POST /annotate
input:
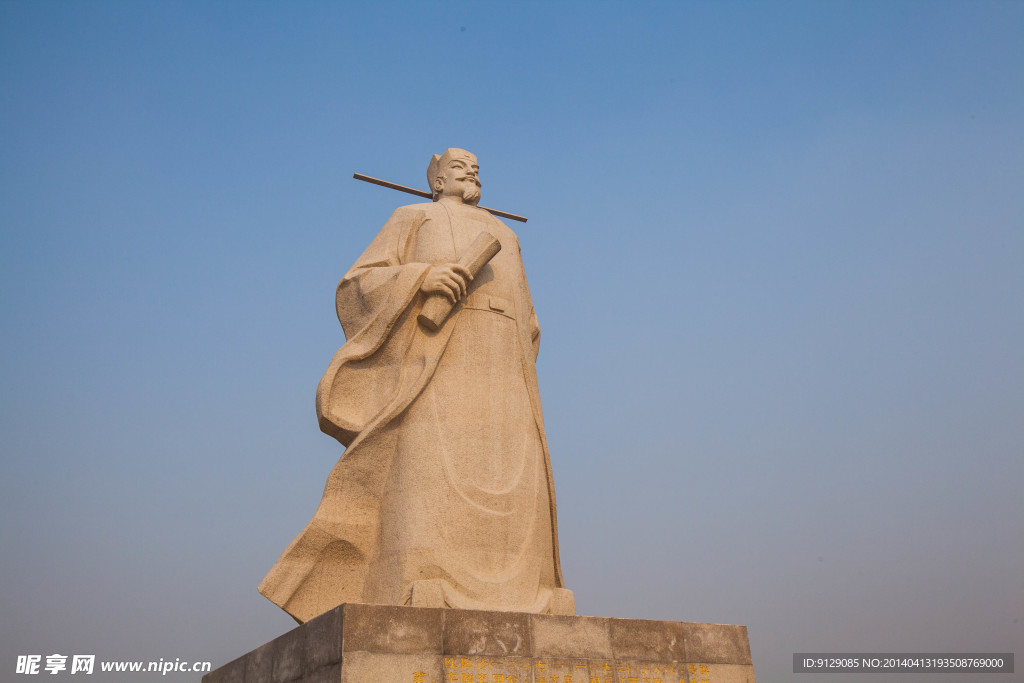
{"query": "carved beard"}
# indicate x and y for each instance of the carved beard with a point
(471, 193)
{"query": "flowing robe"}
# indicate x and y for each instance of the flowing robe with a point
(445, 488)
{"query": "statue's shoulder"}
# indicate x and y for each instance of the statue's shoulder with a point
(425, 209)
(503, 228)
(410, 217)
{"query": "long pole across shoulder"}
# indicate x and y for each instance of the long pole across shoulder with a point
(427, 195)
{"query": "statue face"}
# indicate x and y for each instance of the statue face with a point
(461, 178)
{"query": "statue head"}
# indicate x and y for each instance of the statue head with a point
(455, 174)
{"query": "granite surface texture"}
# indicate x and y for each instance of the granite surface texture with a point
(392, 644)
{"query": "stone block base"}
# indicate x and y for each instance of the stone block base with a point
(385, 644)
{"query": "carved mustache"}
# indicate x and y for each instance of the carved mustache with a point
(473, 178)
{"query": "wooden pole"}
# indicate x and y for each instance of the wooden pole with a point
(427, 195)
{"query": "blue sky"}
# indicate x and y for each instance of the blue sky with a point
(776, 251)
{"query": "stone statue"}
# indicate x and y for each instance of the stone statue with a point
(444, 495)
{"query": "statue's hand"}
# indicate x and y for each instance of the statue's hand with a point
(449, 279)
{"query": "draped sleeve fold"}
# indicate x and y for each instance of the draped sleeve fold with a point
(373, 299)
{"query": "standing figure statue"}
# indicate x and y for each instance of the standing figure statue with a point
(444, 495)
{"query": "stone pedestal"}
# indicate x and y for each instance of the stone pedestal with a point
(384, 644)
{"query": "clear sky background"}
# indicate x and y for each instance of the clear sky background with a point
(776, 249)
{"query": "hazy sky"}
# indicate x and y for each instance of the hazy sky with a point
(776, 249)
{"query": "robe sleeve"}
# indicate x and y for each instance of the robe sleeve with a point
(373, 298)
